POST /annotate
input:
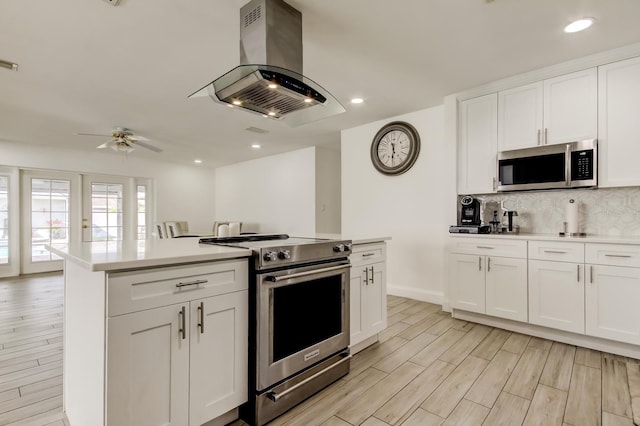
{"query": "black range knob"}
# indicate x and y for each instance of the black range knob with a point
(270, 256)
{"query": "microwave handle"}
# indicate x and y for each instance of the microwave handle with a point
(567, 165)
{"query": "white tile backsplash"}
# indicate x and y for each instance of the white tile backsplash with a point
(602, 211)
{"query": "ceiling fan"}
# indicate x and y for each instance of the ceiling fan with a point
(124, 140)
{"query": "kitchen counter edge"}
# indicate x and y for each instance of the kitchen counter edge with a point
(606, 239)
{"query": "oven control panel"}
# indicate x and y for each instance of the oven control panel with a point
(269, 257)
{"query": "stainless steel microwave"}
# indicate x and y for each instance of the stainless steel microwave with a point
(567, 165)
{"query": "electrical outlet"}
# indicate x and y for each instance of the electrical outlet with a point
(112, 2)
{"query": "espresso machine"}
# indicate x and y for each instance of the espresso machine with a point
(469, 221)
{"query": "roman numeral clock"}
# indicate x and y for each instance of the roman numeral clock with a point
(395, 148)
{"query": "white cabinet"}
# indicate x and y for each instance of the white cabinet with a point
(557, 110)
(368, 292)
(612, 292)
(477, 144)
(489, 277)
(556, 285)
(180, 364)
(618, 123)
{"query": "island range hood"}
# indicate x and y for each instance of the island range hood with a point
(269, 79)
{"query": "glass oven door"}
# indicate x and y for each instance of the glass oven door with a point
(303, 318)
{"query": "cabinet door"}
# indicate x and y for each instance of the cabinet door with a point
(611, 299)
(219, 347)
(375, 302)
(148, 368)
(467, 282)
(556, 295)
(478, 145)
(571, 107)
(356, 320)
(520, 117)
(618, 123)
(506, 288)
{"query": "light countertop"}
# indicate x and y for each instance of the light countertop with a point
(116, 255)
(355, 239)
(605, 239)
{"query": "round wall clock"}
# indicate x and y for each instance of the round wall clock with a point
(395, 148)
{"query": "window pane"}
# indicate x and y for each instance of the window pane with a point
(4, 219)
(106, 207)
(49, 215)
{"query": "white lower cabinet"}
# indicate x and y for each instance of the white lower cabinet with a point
(556, 295)
(181, 364)
(489, 284)
(368, 292)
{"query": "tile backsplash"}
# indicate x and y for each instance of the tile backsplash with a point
(602, 211)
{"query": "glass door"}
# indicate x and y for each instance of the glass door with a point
(107, 208)
(50, 205)
(9, 258)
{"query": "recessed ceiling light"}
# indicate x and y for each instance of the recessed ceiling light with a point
(197, 161)
(237, 103)
(357, 100)
(579, 25)
(255, 146)
(308, 100)
(272, 86)
(272, 114)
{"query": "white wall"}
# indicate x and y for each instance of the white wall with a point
(181, 192)
(328, 193)
(413, 208)
(270, 194)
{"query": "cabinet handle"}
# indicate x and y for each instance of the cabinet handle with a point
(183, 323)
(485, 247)
(590, 274)
(479, 263)
(495, 185)
(555, 251)
(366, 276)
(539, 142)
(367, 254)
(201, 312)
(372, 275)
(545, 136)
(626, 256)
(578, 272)
(188, 283)
(488, 264)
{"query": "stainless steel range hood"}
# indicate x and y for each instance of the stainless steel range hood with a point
(269, 79)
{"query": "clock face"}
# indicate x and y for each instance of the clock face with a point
(395, 148)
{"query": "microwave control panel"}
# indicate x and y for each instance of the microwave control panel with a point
(582, 165)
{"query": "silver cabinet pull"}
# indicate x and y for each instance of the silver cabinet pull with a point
(188, 283)
(591, 274)
(625, 256)
(578, 272)
(555, 251)
(201, 312)
(485, 247)
(488, 264)
(545, 136)
(367, 254)
(495, 186)
(539, 142)
(479, 263)
(366, 276)
(372, 275)
(183, 323)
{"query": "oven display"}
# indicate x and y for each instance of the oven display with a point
(306, 314)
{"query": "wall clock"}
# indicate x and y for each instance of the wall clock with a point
(395, 148)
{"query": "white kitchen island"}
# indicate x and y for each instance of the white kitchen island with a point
(155, 332)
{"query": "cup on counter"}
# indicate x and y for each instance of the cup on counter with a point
(223, 230)
(234, 229)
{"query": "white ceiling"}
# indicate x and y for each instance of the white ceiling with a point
(87, 66)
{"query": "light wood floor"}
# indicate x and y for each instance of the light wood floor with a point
(427, 369)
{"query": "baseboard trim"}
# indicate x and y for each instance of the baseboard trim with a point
(436, 297)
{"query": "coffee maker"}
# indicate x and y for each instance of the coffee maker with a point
(469, 221)
(469, 211)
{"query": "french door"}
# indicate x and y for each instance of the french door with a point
(9, 223)
(108, 208)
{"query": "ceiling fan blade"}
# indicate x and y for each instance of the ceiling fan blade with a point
(107, 144)
(146, 145)
(90, 134)
(138, 138)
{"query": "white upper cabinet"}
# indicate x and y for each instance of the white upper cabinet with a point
(618, 123)
(557, 110)
(478, 141)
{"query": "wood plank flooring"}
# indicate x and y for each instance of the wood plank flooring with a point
(427, 369)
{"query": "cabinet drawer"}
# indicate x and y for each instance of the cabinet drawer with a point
(375, 252)
(613, 254)
(134, 291)
(558, 251)
(489, 247)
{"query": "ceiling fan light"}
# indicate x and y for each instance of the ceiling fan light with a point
(579, 25)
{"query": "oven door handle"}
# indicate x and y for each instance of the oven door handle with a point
(275, 279)
(274, 396)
